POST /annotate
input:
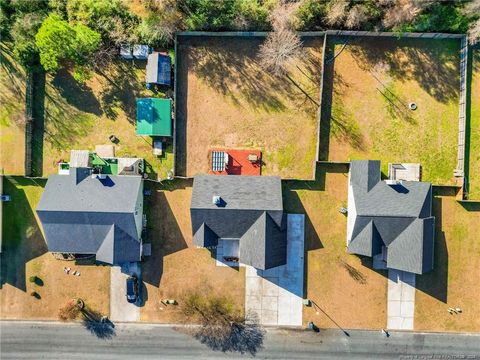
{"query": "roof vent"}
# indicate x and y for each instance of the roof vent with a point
(393, 182)
(216, 200)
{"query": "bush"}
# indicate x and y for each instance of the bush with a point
(69, 311)
(32, 279)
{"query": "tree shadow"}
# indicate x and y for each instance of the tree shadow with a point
(433, 64)
(238, 337)
(435, 283)
(22, 238)
(354, 273)
(122, 89)
(99, 326)
(76, 94)
(163, 231)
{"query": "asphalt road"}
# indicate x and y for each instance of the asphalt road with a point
(28, 340)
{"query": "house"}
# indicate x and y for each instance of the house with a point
(391, 219)
(154, 117)
(159, 69)
(96, 214)
(243, 212)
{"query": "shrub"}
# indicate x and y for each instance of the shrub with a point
(32, 279)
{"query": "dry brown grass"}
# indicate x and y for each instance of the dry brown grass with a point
(176, 267)
(350, 293)
(454, 282)
(227, 100)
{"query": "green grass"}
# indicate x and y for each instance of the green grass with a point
(474, 127)
(373, 84)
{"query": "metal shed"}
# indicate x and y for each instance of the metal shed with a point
(154, 117)
(159, 68)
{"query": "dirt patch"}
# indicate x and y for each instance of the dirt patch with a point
(348, 293)
(372, 84)
(176, 267)
(225, 99)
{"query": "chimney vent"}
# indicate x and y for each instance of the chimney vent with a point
(216, 200)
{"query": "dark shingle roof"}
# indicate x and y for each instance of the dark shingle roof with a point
(396, 216)
(251, 210)
(85, 215)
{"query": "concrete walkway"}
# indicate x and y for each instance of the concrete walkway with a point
(401, 300)
(275, 295)
(120, 308)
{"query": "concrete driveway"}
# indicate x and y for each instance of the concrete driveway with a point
(120, 308)
(275, 295)
(401, 300)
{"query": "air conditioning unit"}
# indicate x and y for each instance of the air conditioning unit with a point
(393, 182)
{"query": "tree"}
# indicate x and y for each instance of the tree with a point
(356, 17)
(110, 18)
(59, 42)
(161, 23)
(336, 12)
(282, 46)
(400, 12)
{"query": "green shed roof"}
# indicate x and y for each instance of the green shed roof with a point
(154, 117)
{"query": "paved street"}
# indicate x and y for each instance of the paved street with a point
(27, 340)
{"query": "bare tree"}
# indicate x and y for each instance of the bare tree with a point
(356, 16)
(337, 11)
(283, 45)
(402, 11)
(70, 310)
(474, 32)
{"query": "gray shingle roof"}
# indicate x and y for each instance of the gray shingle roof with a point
(85, 215)
(396, 216)
(251, 210)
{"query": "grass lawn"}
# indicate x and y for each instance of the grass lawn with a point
(373, 83)
(82, 116)
(474, 153)
(12, 111)
(25, 254)
(454, 281)
(226, 99)
(350, 294)
(176, 267)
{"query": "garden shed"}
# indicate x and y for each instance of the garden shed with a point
(159, 68)
(154, 117)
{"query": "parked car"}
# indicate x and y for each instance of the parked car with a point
(132, 289)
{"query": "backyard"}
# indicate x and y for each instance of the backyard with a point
(77, 116)
(25, 255)
(369, 84)
(177, 268)
(348, 294)
(454, 280)
(474, 128)
(226, 100)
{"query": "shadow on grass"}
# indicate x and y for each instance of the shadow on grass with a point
(428, 62)
(22, 240)
(76, 94)
(165, 236)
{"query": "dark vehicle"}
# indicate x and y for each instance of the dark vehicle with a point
(132, 289)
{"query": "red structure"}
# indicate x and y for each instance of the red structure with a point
(240, 162)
